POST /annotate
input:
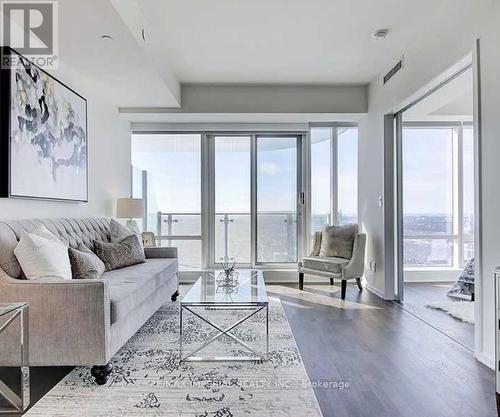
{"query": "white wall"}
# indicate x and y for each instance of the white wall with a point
(109, 161)
(428, 56)
(490, 173)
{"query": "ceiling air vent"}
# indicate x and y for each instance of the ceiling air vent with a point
(393, 71)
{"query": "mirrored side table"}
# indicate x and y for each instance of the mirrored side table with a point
(9, 312)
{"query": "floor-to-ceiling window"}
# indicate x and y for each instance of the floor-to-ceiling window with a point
(240, 197)
(334, 176)
(428, 183)
(321, 177)
(347, 175)
(438, 203)
(171, 164)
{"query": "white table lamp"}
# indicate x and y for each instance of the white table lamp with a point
(130, 208)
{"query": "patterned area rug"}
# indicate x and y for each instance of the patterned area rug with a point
(148, 379)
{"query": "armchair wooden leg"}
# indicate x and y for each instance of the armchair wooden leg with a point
(358, 281)
(301, 281)
(331, 281)
(343, 289)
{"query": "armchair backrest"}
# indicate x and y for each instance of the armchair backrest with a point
(358, 250)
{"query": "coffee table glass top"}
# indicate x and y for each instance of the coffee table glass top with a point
(6, 308)
(250, 290)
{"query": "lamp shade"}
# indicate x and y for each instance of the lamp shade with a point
(130, 208)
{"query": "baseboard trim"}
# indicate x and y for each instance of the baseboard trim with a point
(374, 290)
(485, 360)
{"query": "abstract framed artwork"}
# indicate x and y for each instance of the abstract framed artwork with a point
(43, 134)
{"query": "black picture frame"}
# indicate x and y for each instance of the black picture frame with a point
(6, 53)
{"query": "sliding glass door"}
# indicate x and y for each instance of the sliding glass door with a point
(277, 178)
(232, 193)
(253, 199)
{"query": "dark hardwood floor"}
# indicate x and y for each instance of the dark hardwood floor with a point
(377, 359)
(417, 294)
(396, 364)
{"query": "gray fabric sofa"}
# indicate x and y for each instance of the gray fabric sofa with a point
(82, 322)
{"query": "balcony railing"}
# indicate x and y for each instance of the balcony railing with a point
(276, 242)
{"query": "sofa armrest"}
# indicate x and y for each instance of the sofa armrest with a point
(162, 252)
(69, 321)
(356, 266)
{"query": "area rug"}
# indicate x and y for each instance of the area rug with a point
(148, 379)
(462, 310)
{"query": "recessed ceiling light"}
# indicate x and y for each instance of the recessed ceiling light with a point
(381, 34)
(107, 38)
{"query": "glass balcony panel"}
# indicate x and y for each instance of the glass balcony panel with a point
(189, 253)
(180, 224)
(428, 252)
(277, 234)
(232, 241)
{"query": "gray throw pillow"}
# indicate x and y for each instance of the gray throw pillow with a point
(338, 241)
(84, 263)
(120, 254)
(119, 232)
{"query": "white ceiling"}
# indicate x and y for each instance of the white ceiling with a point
(236, 42)
(284, 41)
(120, 70)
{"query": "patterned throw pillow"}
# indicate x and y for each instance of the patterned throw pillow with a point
(84, 263)
(120, 254)
(119, 232)
(338, 241)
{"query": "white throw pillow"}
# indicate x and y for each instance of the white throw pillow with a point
(42, 255)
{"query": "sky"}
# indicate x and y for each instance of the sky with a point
(175, 167)
(174, 164)
(428, 171)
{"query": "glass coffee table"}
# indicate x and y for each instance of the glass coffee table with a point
(8, 314)
(208, 296)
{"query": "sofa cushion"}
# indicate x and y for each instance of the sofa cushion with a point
(338, 241)
(319, 263)
(129, 287)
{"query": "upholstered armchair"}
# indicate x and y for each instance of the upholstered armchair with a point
(342, 257)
